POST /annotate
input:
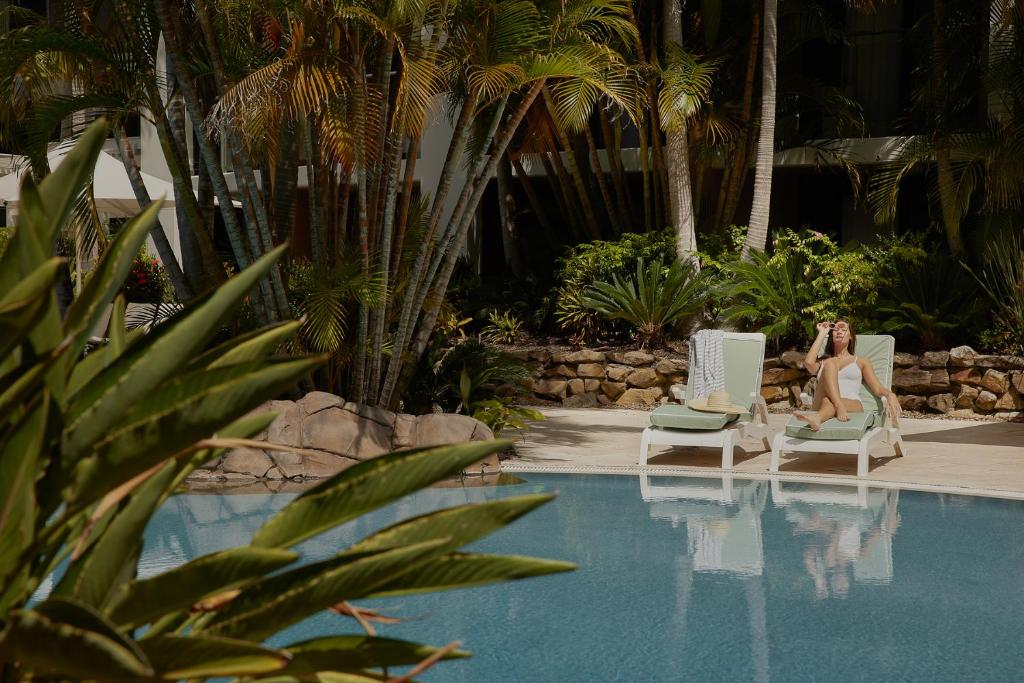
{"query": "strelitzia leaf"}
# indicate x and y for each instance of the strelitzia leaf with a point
(177, 657)
(463, 570)
(366, 487)
(352, 653)
(145, 600)
(25, 303)
(19, 456)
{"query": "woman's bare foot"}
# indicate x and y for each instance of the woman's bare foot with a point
(811, 419)
(842, 416)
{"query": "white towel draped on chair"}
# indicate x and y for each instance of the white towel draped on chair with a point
(707, 369)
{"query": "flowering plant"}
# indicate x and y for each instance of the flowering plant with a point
(145, 281)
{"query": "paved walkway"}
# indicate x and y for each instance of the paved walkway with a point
(985, 458)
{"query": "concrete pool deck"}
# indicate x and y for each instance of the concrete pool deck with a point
(956, 456)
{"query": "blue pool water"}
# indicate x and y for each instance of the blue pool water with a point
(696, 580)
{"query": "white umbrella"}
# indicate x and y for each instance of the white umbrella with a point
(111, 187)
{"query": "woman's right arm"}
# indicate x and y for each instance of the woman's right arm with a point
(811, 362)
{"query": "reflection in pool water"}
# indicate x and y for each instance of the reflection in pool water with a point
(695, 579)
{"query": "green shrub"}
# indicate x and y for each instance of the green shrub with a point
(652, 300)
(1002, 278)
(147, 281)
(502, 328)
(90, 447)
(596, 261)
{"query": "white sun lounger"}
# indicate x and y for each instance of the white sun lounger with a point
(864, 430)
(679, 425)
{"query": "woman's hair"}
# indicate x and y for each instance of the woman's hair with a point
(852, 346)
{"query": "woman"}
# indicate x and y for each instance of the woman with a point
(840, 376)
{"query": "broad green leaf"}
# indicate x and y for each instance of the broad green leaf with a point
(142, 601)
(367, 486)
(19, 458)
(252, 346)
(99, 359)
(59, 650)
(111, 559)
(346, 653)
(29, 383)
(328, 677)
(24, 304)
(105, 281)
(273, 604)
(186, 413)
(244, 427)
(461, 525)
(83, 616)
(463, 570)
(177, 657)
(160, 355)
(59, 190)
(116, 329)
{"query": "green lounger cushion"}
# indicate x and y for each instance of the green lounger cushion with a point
(674, 416)
(834, 430)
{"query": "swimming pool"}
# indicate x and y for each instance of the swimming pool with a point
(694, 579)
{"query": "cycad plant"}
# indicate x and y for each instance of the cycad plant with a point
(767, 293)
(1002, 278)
(653, 300)
(91, 446)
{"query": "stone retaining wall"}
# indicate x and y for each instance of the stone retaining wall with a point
(960, 382)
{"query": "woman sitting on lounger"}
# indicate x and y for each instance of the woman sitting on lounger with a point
(840, 375)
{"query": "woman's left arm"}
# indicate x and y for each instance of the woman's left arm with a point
(876, 388)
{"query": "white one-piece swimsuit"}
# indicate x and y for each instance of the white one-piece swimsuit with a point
(850, 379)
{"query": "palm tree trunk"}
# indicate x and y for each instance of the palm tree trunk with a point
(408, 181)
(286, 182)
(182, 290)
(678, 153)
(757, 237)
(612, 145)
(553, 165)
(606, 195)
(507, 213)
(531, 195)
(943, 162)
(316, 213)
(574, 169)
(362, 329)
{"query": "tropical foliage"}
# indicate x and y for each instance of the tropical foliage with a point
(91, 446)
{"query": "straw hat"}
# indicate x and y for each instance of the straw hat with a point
(716, 402)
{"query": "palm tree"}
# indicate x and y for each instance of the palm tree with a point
(757, 236)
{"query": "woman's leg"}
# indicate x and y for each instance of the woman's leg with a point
(825, 410)
(830, 380)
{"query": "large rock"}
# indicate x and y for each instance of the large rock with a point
(793, 359)
(970, 376)
(249, 461)
(966, 396)
(1011, 400)
(773, 394)
(634, 358)
(561, 370)
(445, 428)
(904, 360)
(781, 375)
(935, 359)
(540, 354)
(962, 356)
(551, 388)
(940, 380)
(345, 432)
(986, 401)
(671, 366)
(315, 401)
(1017, 381)
(640, 397)
(1000, 362)
(585, 356)
(593, 370)
(576, 386)
(591, 384)
(613, 389)
(581, 401)
(643, 378)
(912, 381)
(995, 381)
(618, 373)
(941, 403)
(912, 402)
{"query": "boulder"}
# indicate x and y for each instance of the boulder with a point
(322, 465)
(289, 463)
(634, 358)
(591, 384)
(904, 360)
(585, 356)
(970, 376)
(770, 363)
(1017, 381)
(347, 433)
(641, 397)
(580, 401)
(590, 370)
(772, 394)
(935, 359)
(404, 435)
(1000, 362)
(576, 386)
(986, 401)
(617, 373)
(603, 400)
(966, 396)
(940, 380)
(995, 381)
(551, 388)
(671, 366)
(250, 461)
(912, 402)
(540, 354)
(793, 359)
(1011, 400)
(613, 389)
(643, 378)
(560, 370)
(962, 356)
(781, 375)
(941, 403)
(913, 380)
(314, 402)
(445, 428)
(285, 429)
(381, 416)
